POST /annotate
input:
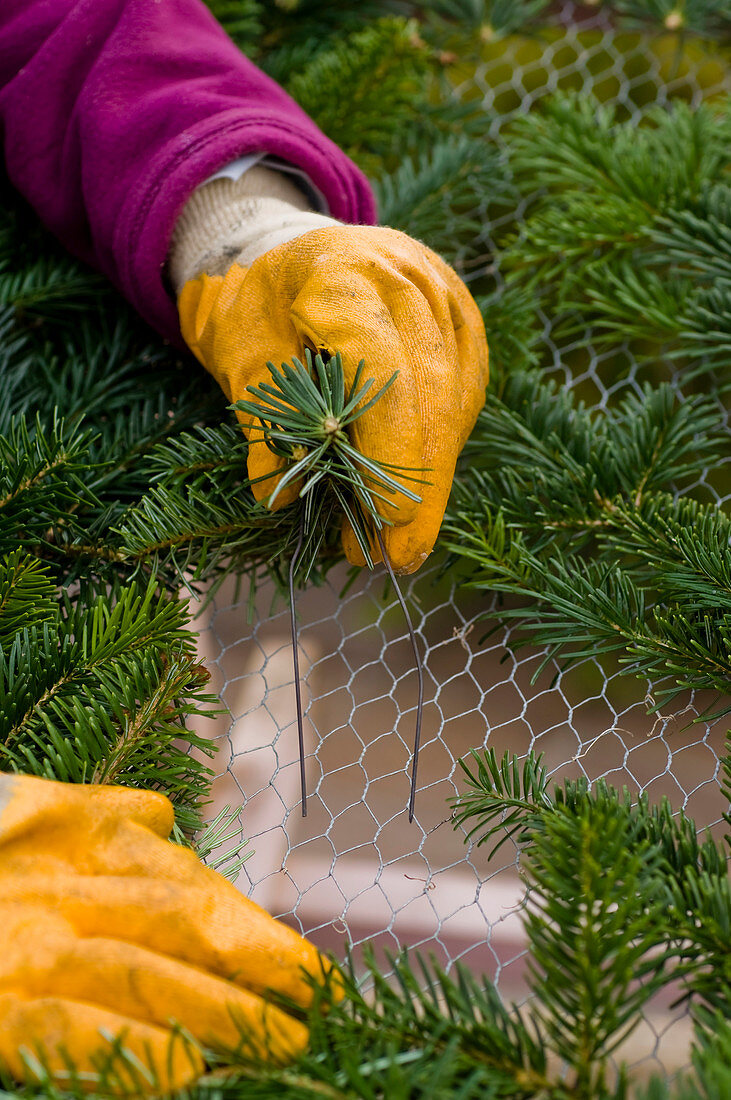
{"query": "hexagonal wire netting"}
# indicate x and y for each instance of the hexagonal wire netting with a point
(354, 869)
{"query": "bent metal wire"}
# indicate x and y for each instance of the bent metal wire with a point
(296, 664)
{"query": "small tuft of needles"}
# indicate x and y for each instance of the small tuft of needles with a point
(303, 416)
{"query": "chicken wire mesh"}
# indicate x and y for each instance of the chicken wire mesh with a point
(354, 870)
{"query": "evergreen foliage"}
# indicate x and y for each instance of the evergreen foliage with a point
(303, 417)
(624, 900)
(629, 232)
(705, 17)
(99, 689)
(122, 477)
(588, 515)
(570, 510)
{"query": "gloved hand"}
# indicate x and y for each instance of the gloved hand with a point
(302, 280)
(110, 930)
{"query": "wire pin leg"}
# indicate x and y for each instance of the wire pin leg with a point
(420, 700)
(296, 661)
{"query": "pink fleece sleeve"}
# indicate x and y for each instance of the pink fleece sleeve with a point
(113, 111)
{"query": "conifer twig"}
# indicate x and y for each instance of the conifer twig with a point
(303, 416)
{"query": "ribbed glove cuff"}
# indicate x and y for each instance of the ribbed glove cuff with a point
(236, 221)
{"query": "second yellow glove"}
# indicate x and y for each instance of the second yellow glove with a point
(114, 936)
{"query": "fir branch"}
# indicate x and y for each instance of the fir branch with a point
(103, 693)
(628, 300)
(699, 237)
(569, 512)
(575, 146)
(304, 417)
(428, 192)
(608, 200)
(385, 61)
(554, 467)
(595, 911)
(501, 789)
(200, 454)
(197, 528)
(27, 595)
(705, 17)
(683, 549)
(160, 711)
(42, 480)
(577, 610)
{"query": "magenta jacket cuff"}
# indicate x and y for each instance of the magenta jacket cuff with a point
(114, 111)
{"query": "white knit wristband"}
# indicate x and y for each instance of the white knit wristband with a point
(235, 221)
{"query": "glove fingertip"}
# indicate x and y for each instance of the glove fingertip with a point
(265, 470)
(352, 548)
(409, 547)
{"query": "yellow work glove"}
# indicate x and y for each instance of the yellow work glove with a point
(112, 932)
(260, 276)
(372, 294)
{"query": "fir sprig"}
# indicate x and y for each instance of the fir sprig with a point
(705, 17)
(303, 417)
(641, 214)
(100, 691)
(650, 904)
(569, 510)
